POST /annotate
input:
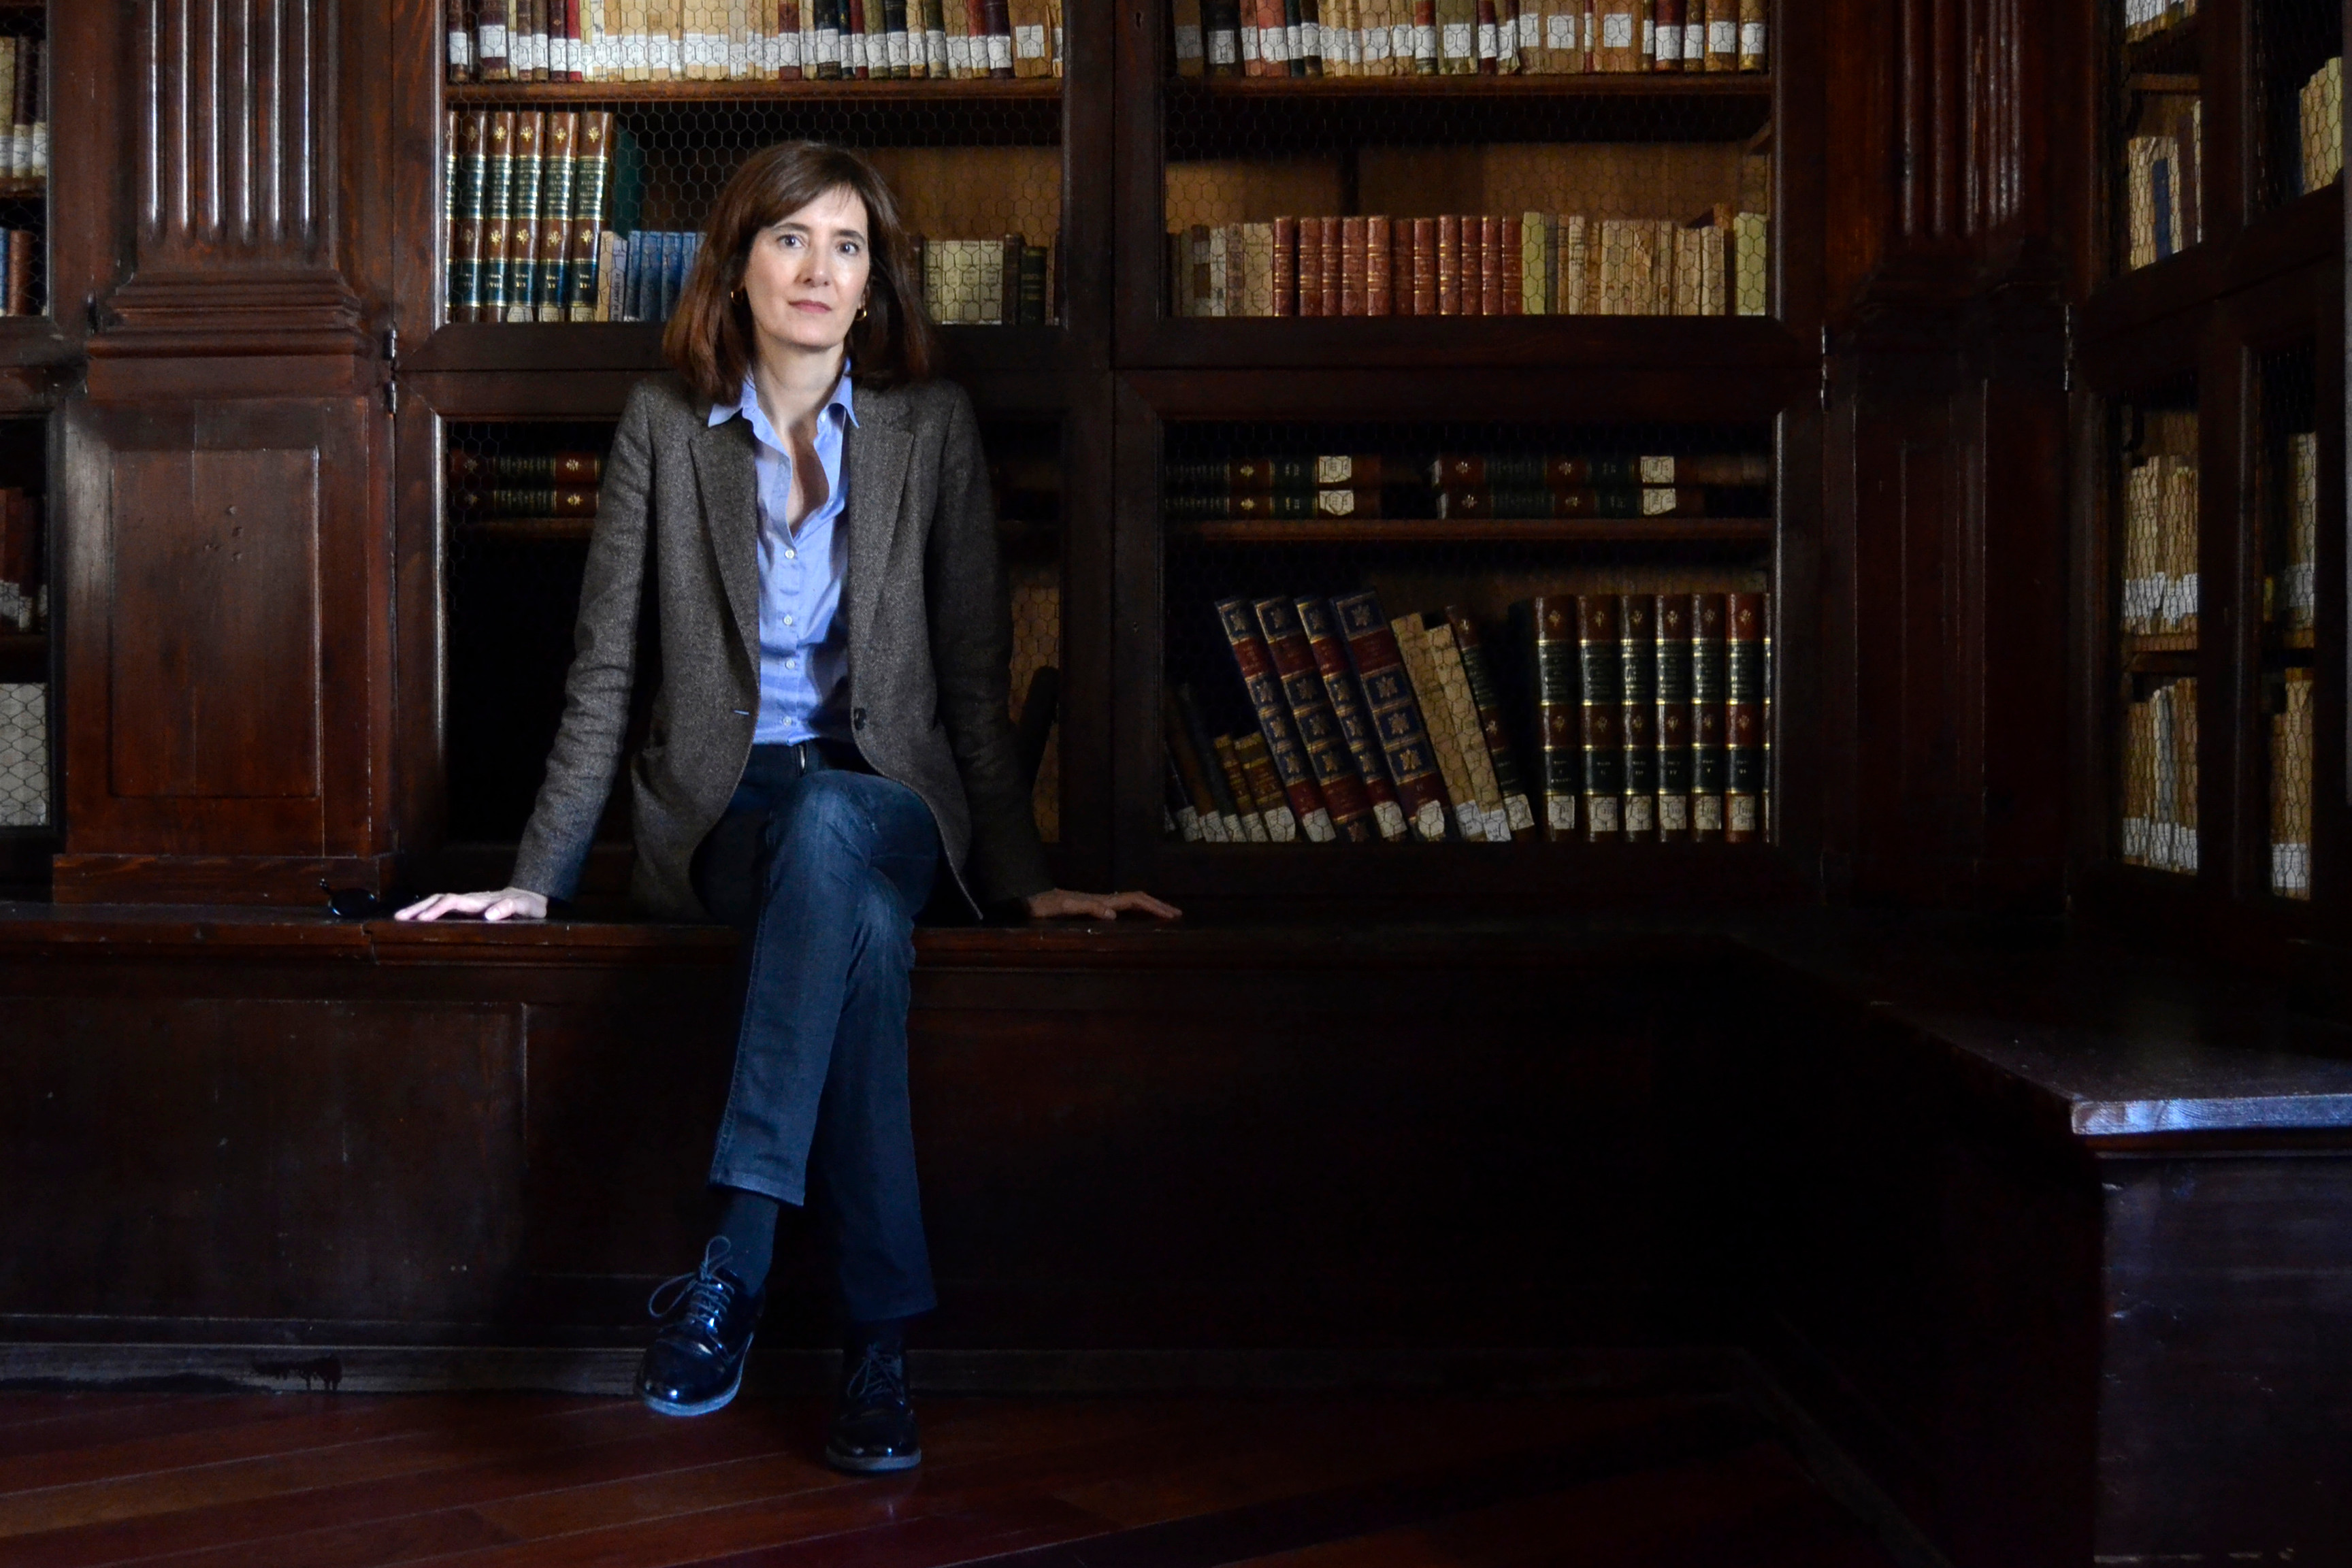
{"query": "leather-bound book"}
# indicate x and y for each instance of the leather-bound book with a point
(1396, 713)
(1600, 713)
(1266, 695)
(1492, 278)
(1620, 36)
(493, 54)
(542, 54)
(497, 213)
(1309, 265)
(1424, 37)
(593, 153)
(465, 227)
(1286, 298)
(1637, 645)
(1379, 245)
(1544, 629)
(1710, 616)
(1273, 805)
(1457, 37)
(789, 52)
(20, 242)
(1673, 621)
(562, 169)
(1317, 727)
(1462, 717)
(1192, 772)
(522, 227)
(1449, 265)
(1036, 264)
(1487, 48)
(1328, 259)
(1308, 58)
(1000, 39)
(1008, 298)
(461, 41)
(1445, 736)
(1229, 808)
(1573, 295)
(1186, 38)
(1744, 718)
(1753, 55)
(1237, 786)
(1424, 272)
(1242, 506)
(1486, 697)
(526, 501)
(1221, 22)
(1352, 240)
(1354, 717)
(1722, 35)
(1513, 260)
(1667, 34)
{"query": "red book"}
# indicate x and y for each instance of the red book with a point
(788, 26)
(1379, 256)
(1449, 266)
(1266, 695)
(1487, 47)
(854, 28)
(1490, 265)
(1351, 267)
(576, 65)
(1669, 20)
(1395, 712)
(1424, 266)
(1311, 267)
(1744, 719)
(1327, 757)
(1332, 301)
(1513, 267)
(1287, 299)
(1321, 627)
(1600, 668)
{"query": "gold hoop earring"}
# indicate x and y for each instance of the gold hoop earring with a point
(861, 312)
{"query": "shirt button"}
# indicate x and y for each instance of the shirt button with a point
(791, 554)
(788, 620)
(792, 664)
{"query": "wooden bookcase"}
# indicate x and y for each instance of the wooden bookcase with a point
(1101, 389)
(30, 346)
(2221, 364)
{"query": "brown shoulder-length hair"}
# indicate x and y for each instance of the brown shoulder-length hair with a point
(710, 341)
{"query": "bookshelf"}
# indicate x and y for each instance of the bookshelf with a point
(2212, 405)
(1080, 413)
(28, 815)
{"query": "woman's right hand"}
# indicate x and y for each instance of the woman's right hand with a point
(507, 903)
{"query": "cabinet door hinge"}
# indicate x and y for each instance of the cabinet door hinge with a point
(391, 370)
(1826, 369)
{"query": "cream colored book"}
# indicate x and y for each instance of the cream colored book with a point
(1469, 736)
(1752, 291)
(2178, 511)
(1413, 645)
(1572, 296)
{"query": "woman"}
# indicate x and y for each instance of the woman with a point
(830, 726)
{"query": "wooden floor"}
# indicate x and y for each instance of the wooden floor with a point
(288, 1480)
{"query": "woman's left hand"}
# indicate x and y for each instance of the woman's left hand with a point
(1060, 903)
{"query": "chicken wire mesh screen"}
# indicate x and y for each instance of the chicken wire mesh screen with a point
(2161, 130)
(588, 212)
(2286, 479)
(1433, 197)
(1466, 633)
(2156, 549)
(23, 754)
(521, 498)
(2297, 78)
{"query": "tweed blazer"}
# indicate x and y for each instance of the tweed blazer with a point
(929, 636)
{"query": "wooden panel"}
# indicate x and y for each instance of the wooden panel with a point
(289, 1159)
(215, 619)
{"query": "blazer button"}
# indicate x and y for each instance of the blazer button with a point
(858, 717)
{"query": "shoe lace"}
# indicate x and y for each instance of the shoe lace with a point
(879, 1376)
(700, 1288)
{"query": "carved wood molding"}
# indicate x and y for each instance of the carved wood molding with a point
(235, 201)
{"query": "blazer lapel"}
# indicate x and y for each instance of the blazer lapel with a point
(873, 467)
(728, 478)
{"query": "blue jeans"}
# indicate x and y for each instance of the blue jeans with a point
(824, 869)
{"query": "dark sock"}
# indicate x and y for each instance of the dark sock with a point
(748, 1221)
(890, 1333)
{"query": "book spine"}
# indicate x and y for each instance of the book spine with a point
(1411, 634)
(1186, 38)
(1380, 243)
(1490, 265)
(1753, 55)
(1449, 265)
(1222, 25)
(1309, 265)
(592, 163)
(1353, 240)
(1672, 618)
(1396, 713)
(1600, 713)
(1668, 33)
(461, 43)
(1237, 785)
(1317, 726)
(555, 226)
(1000, 39)
(1710, 617)
(1485, 696)
(1424, 266)
(1194, 773)
(494, 60)
(1462, 716)
(1550, 646)
(465, 241)
(1287, 299)
(1637, 644)
(1265, 690)
(1227, 806)
(1348, 709)
(498, 214)
(523, 229)
(1744, 717)
(1513, 261)
(1265, 788)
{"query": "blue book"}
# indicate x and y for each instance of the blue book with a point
(673, 272)
(2160, 177)
(619, 282)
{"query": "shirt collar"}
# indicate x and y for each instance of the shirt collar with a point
(843, 401)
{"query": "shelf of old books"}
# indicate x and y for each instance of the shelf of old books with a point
(23, 162)
(2296, 109)
(28, 824)
(2286, 464)
(520, 502)
(2158, 592)
(579, 169)
(1556, 160)
(1381, 643)
(2162, 132)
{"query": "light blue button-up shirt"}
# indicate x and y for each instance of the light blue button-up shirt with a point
(803, 648)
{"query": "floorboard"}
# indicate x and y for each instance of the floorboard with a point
(522, 1481)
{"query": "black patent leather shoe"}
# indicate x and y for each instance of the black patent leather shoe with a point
(874, 1425)
(696, 1363)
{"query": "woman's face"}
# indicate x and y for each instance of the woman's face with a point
(806, 276)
